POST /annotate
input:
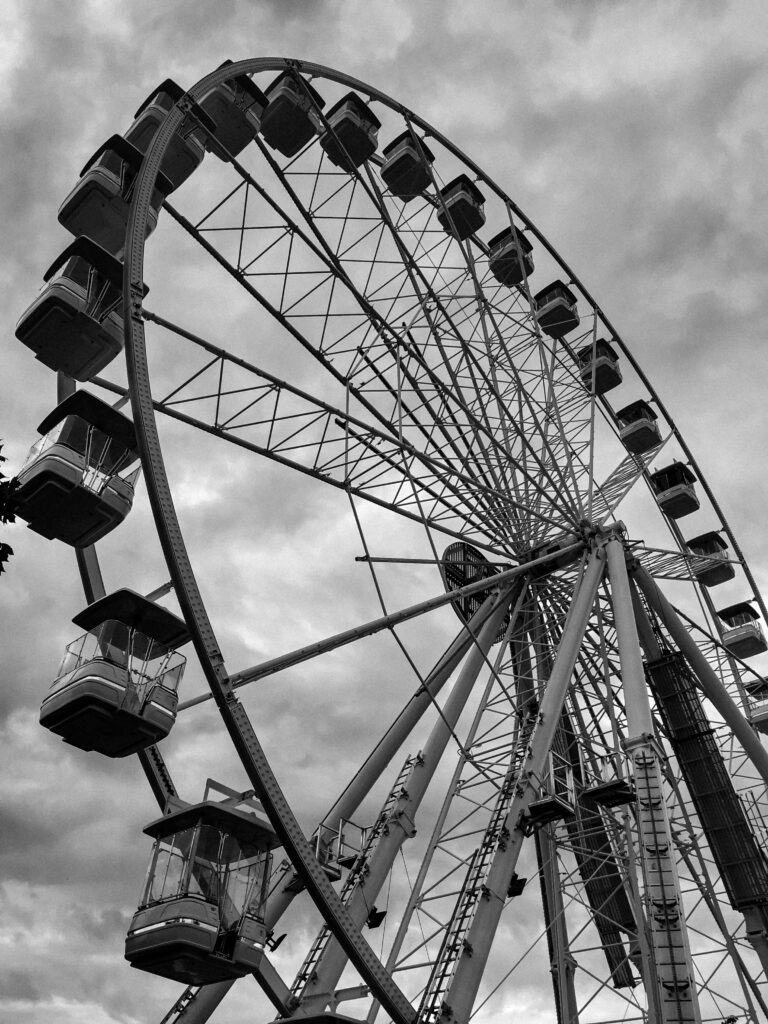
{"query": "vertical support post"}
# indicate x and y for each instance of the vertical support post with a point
(462, 990)
(647, 965)
(643, 958)
(638, 706)
(669, 937)
(562, 962)
(561, 959)
(647, 637)
(755, 916)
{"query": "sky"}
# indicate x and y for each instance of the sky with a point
(633, 135)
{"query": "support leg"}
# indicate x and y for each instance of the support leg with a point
(669, 938)
(331, 961)
(460, 993)
(708, 681)
(561, 959)
(717, 803)
(377, 761)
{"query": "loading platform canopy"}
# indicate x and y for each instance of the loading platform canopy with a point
(167, 630)
(98, 414)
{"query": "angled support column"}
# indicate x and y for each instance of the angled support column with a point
(196, 1004)
(674, 977)
(461, 992)
(754, 909)
(707, 678)
(370, 772)
(201, 1004)
(514, 628)
(332, 643)
(377, 761)
(330, 965)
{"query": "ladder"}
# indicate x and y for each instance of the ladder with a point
(177, 1010)
(473, 886)
(356, 873)
(677, 992)
(157, 774)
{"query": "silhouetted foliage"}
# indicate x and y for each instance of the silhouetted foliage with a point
(7, 510)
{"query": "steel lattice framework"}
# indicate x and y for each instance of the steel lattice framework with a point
(358, 344)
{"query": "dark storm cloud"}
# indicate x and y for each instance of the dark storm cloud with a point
(21, 983)
(20, 838)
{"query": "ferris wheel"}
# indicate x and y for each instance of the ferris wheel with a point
(354, 301)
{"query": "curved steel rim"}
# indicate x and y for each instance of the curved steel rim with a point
(255, 764)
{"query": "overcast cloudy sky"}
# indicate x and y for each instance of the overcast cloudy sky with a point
(633, 134)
